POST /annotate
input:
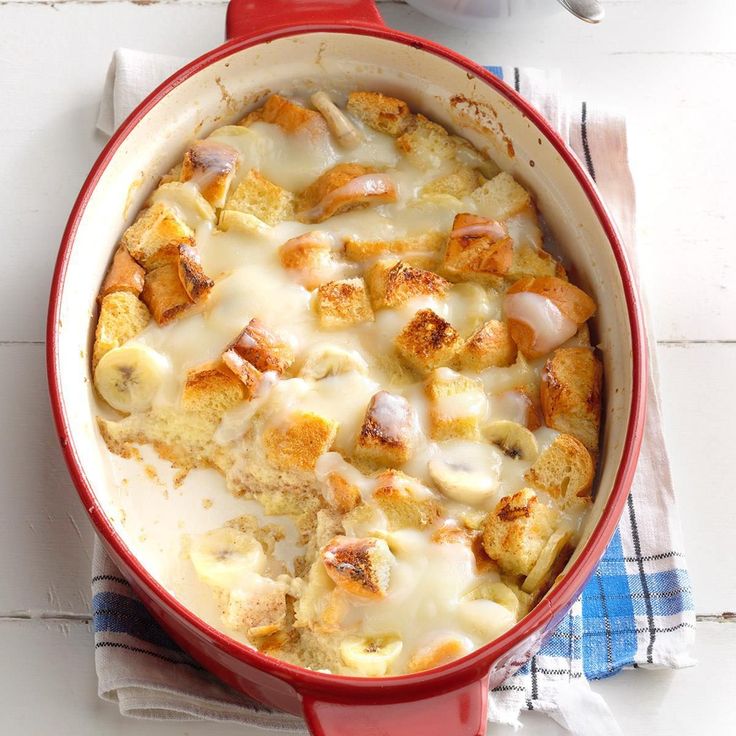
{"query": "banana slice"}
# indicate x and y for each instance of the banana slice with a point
(514, 440)
(185, 197)
(128, 377)
(497, 592)
(370, 656)
(227, 558)
(546, 560)
(233, 130)
(330, 360)
(470, 306)
(486, 619)
(463, 483)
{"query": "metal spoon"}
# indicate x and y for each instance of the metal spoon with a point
(591, 11)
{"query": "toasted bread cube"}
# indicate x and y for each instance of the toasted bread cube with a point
(565, 470)
(571, 394)
(428, 342)
(164, 293)
(573, 302)
(327, 525)
(342, 494)
(262, 348)
(298, 441)
(388, 432)
(445, 649)
(342, 188)
(242, 222)
(248, 374)
(184, 257)
(460, 183)
(502, 197)
(310, 257)
(257, 196)
(122, 316)
(196, 283)
(257, 609)
(289, 116)
(490, 346)
(530, 305)
(515, 532)
(532, 420)
(361, 567)
(212, 389)
(380, 112)
(343, 303)
(156, 227)
(422, 244)
(478, 247)
(530, 261)
(124, 274)
(425, 261)
(426, 144)
(405, 502)
(393, 283)
(211, 165)
(456, 405)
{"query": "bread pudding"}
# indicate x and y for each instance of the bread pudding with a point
(347, 322)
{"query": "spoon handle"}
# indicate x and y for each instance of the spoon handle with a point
(591, 11)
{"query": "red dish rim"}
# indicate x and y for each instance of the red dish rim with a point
(563, 594)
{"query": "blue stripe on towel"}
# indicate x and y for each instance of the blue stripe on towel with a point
(120, 614)
(609, 637)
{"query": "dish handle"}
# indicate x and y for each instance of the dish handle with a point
(251, 18)
(460, 712)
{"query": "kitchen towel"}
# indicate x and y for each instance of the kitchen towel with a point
(637, 609)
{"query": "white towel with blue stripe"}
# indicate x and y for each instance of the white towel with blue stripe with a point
(636, 611)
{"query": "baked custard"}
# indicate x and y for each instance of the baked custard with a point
(348, 315)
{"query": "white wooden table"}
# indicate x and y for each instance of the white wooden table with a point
(669, 64)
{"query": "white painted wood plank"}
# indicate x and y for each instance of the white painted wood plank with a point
(666, 81)
(47, 538)
(60, 697)
(698, 407)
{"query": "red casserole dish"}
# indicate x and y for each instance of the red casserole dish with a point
(278, 47)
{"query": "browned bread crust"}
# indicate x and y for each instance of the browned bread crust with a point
(571, 394)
